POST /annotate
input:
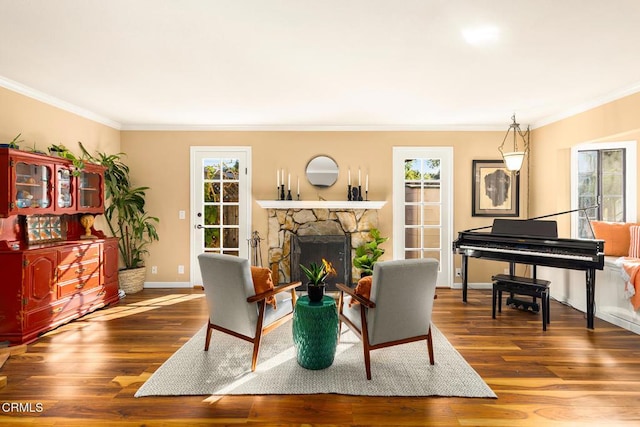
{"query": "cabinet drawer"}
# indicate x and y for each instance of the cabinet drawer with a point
(78, 270)
(79, 254)
(79, 285)
(48, 317)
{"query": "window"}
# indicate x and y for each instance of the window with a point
(603, 176)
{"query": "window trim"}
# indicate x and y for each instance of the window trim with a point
(631, 182)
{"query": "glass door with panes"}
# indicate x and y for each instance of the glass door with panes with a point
(422, 206)
(220, 204)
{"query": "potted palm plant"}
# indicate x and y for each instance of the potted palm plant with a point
(316, 275)
(367, 254)
(127, 218)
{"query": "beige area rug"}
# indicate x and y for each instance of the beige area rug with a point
(402, 370)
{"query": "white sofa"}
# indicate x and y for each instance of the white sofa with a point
(568, 286)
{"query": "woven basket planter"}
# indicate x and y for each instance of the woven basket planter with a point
(132, 280)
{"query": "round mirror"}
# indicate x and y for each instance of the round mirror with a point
(322, 171)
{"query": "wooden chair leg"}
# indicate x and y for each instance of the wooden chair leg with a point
(258, 337)
(340, 302)
(430, 347)
(365, 341)
(206, 341)
(256, 351)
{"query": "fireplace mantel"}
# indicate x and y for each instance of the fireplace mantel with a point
(320, 204)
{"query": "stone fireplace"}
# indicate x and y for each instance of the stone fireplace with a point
(293, 222)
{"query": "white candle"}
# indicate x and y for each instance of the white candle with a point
(278, 178)
(298, 193)
(289, 183)
(366, 183)
(349, 176)
(359, 177)
(282, 180)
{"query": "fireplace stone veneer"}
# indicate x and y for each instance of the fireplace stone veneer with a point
(284, 223)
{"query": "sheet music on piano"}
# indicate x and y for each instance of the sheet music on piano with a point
(532, 242)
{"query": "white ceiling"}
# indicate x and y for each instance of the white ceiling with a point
(326, 64)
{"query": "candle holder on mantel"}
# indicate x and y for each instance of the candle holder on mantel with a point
(366, 194)
(298, 196)
(349, 192)
(282, 192)
(289, 195)
(359, 193)
(354, 193)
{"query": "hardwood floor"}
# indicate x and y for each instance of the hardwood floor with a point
(87, 372)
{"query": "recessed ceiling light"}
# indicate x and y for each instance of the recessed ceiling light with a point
(481, 35)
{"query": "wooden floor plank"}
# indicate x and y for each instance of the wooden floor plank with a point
(89, 370)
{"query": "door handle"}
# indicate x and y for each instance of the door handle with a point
(199, 226)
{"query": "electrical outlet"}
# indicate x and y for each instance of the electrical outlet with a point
(154, 269)
(182, 214)
(181, 269)
(458, 272)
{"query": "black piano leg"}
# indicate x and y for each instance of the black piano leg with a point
(591, 296)
(465, 267)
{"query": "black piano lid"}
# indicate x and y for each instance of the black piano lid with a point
(525, 227)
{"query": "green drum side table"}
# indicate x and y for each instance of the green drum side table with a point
(315, 332)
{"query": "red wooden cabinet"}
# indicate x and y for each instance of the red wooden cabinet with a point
(46, 287)
(49, 274)
(32, 184)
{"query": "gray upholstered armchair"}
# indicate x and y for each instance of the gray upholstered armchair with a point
(399, 308)
(234, 308)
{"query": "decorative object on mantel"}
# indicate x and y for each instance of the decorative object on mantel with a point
(317, 274)
(514, 159)
(353, 193)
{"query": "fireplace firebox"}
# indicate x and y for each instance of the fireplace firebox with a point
(334, 248)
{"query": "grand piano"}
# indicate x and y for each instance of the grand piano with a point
(533, 242)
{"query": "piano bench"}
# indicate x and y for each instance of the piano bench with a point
(536, 288)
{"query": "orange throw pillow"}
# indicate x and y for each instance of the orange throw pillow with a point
(363, 288)
(616, 236)
(262, 282)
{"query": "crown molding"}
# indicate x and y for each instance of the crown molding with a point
(589, 105)
(55, 102)
(315, 128)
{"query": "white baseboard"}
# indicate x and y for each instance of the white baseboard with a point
(473, 285)
(167, 285)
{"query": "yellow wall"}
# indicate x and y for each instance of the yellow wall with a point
(160, 160)
(42, 125)
(551, 152)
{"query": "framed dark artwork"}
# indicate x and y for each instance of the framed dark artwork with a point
(496, 190)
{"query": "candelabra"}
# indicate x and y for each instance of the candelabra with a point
(282, 192)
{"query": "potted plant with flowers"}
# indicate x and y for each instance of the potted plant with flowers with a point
(316, 274)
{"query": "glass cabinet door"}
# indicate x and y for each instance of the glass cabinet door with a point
(64, 188)
(89, 195)
(32, 186)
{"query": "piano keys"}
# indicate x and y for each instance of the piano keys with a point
(532, 242)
